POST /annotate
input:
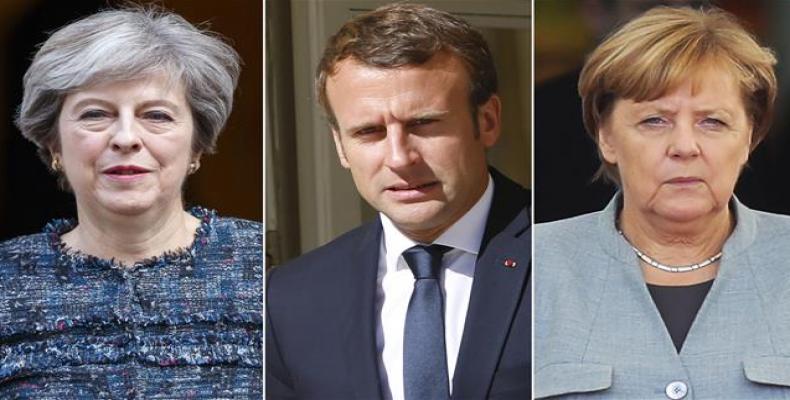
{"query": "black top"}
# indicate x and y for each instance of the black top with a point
(678, 305)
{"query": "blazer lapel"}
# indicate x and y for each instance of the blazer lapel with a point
(359, 321)
(499, 282)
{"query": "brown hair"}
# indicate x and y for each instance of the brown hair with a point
(398, 35)
(655, 52)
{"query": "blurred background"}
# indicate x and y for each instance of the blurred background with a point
(229, 181)
(310, 199)
(566, 158)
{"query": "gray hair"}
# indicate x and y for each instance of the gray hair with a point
(126, 44)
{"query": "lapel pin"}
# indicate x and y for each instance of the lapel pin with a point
(510, 263)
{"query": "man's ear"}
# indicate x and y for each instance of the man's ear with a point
(605, 145)
(489, 120)
(341, 154)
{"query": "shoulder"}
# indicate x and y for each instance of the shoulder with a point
(769, 225)
(231, 248)
(321, 282)
(759, 233)
(238, 225)
(326, 272)
(768, 243)
(24, 243)
(509, 193)
(570, 249)
(27, 270)
(322, 259)
(567, 230)
(23, 250)
(237, 233)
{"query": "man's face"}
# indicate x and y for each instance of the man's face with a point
(409, 139)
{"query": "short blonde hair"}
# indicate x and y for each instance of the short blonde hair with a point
(655, 52)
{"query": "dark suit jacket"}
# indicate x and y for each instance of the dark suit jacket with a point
(321, 314)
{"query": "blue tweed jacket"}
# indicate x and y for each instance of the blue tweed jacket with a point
(185, 325)
(598, 334)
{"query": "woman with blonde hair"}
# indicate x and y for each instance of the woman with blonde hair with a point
(676, 289)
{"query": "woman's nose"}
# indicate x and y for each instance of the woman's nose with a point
(125, 137)
(683, 142)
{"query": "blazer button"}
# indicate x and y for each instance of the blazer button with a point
(676, 390)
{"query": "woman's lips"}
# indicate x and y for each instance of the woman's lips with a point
(685, 181)
(125, 173)
(415, 192)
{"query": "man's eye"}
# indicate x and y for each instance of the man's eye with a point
(370, 130)
(422, 121)
(158, 116)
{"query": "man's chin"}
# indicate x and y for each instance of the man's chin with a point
(423, 217)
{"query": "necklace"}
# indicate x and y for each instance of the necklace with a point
(671, 268)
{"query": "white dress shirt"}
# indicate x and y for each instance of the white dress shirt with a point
(396, 283)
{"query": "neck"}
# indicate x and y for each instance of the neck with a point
(425, 236)
(677, 243)
(131, 238)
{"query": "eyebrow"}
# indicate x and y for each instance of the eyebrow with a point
(90, 100)
(421, 115)
(429, 115)
(642, 108)
(160, 102)
(109, 104)
(721, 110)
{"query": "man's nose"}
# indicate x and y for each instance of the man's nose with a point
(401, 151)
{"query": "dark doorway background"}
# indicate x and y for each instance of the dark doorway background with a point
(229, 181)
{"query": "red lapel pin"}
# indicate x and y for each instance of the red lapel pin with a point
(510, 263)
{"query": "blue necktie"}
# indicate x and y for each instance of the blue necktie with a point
(424, 357)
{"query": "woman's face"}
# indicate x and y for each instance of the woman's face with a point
(126, 146)
(680, 155)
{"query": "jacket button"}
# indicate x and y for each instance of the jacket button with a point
(676, 390)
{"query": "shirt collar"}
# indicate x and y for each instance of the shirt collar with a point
(466, 234)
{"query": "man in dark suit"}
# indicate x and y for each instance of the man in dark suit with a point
(432, 300)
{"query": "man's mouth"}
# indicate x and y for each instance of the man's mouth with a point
(412, 186)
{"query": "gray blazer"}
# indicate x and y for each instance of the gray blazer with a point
(598, 334)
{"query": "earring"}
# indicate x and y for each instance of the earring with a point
(55, 164)
(193, 167)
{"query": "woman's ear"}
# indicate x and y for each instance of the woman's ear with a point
(750, 146)
(606, 145)
(194, 163)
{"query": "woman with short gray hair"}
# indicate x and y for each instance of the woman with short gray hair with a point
(120, 45)
(137, 298)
